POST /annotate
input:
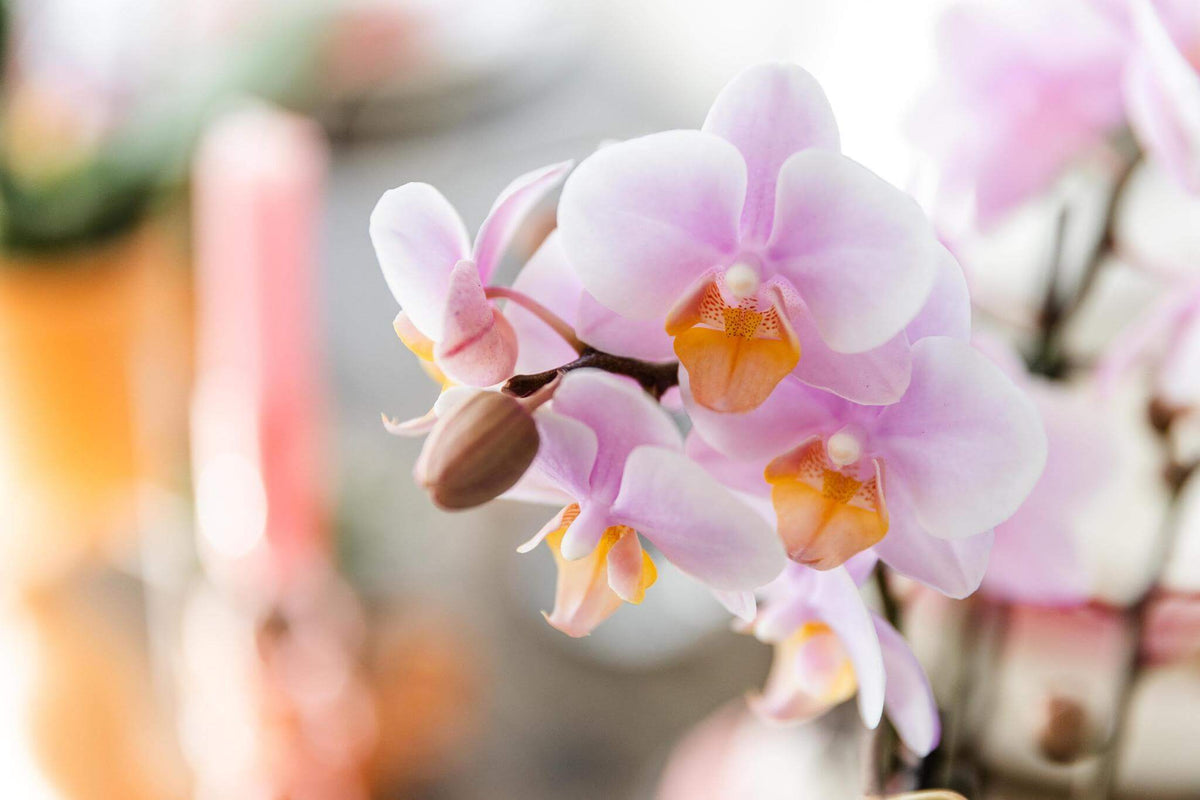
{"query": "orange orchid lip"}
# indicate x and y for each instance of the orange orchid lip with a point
(735, 355)
(826, 514)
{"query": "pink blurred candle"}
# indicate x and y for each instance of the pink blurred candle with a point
(260, 502)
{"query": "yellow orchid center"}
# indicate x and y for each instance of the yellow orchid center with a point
(828, 507)
(591, 588)
(735, 351)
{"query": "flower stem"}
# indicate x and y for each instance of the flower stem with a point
(656, 379)
(1048, 358)
(556, 323)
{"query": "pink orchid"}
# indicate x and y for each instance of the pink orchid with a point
(1169, 338)
(1025, 89)
(922, 482)
(615, 458)
(1022, 90)
(1162, 87)
(438, 279)
(756, 245)
(829, 647)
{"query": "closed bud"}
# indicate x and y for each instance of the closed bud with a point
(477, 451)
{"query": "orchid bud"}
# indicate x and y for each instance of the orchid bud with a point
(1065, 734)
(477, 451)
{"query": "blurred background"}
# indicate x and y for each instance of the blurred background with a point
(217, 577)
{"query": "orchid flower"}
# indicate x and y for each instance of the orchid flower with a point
(614, 457)
(1162, 88)
(1022, 90)
(447, 317)
(1169, 337)
(922, 482)
(829, 648)
(756, 246)
(1025, 89)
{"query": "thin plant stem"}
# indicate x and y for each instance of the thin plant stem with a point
(556, 323)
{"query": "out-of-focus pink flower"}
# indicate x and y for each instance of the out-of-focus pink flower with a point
(1169, 338)
(615, 458)
(1025, 89)
(438, 279)
(1162, 87)
(1036, 558)
(922, 482)
(1022, 89)
(756, 245)
(829, 647)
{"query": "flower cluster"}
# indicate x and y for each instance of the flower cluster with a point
(818, 333)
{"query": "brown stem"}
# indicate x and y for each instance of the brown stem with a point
(656, 379)
(1048, 359)
(556, 323)
(1105, 784)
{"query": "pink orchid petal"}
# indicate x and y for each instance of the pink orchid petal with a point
(566, 454)
(908, 699)
(1162, 91)
(478, 346)
(875, 377)
(642, 220)
(792, 414)
(622, 416)
(609, 331)
(966, 443)
(947, 310)
(741, 604)
(840, 606)
(788, 603)
(859, 251)
(548, 279)
(741, 475)
(698, 525)
(861, 566)
(769, 112)
(952, 567)
(418, 238)
(509, 211)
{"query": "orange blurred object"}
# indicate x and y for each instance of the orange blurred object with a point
(79, 332)
(428, 698)
(93, 728)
